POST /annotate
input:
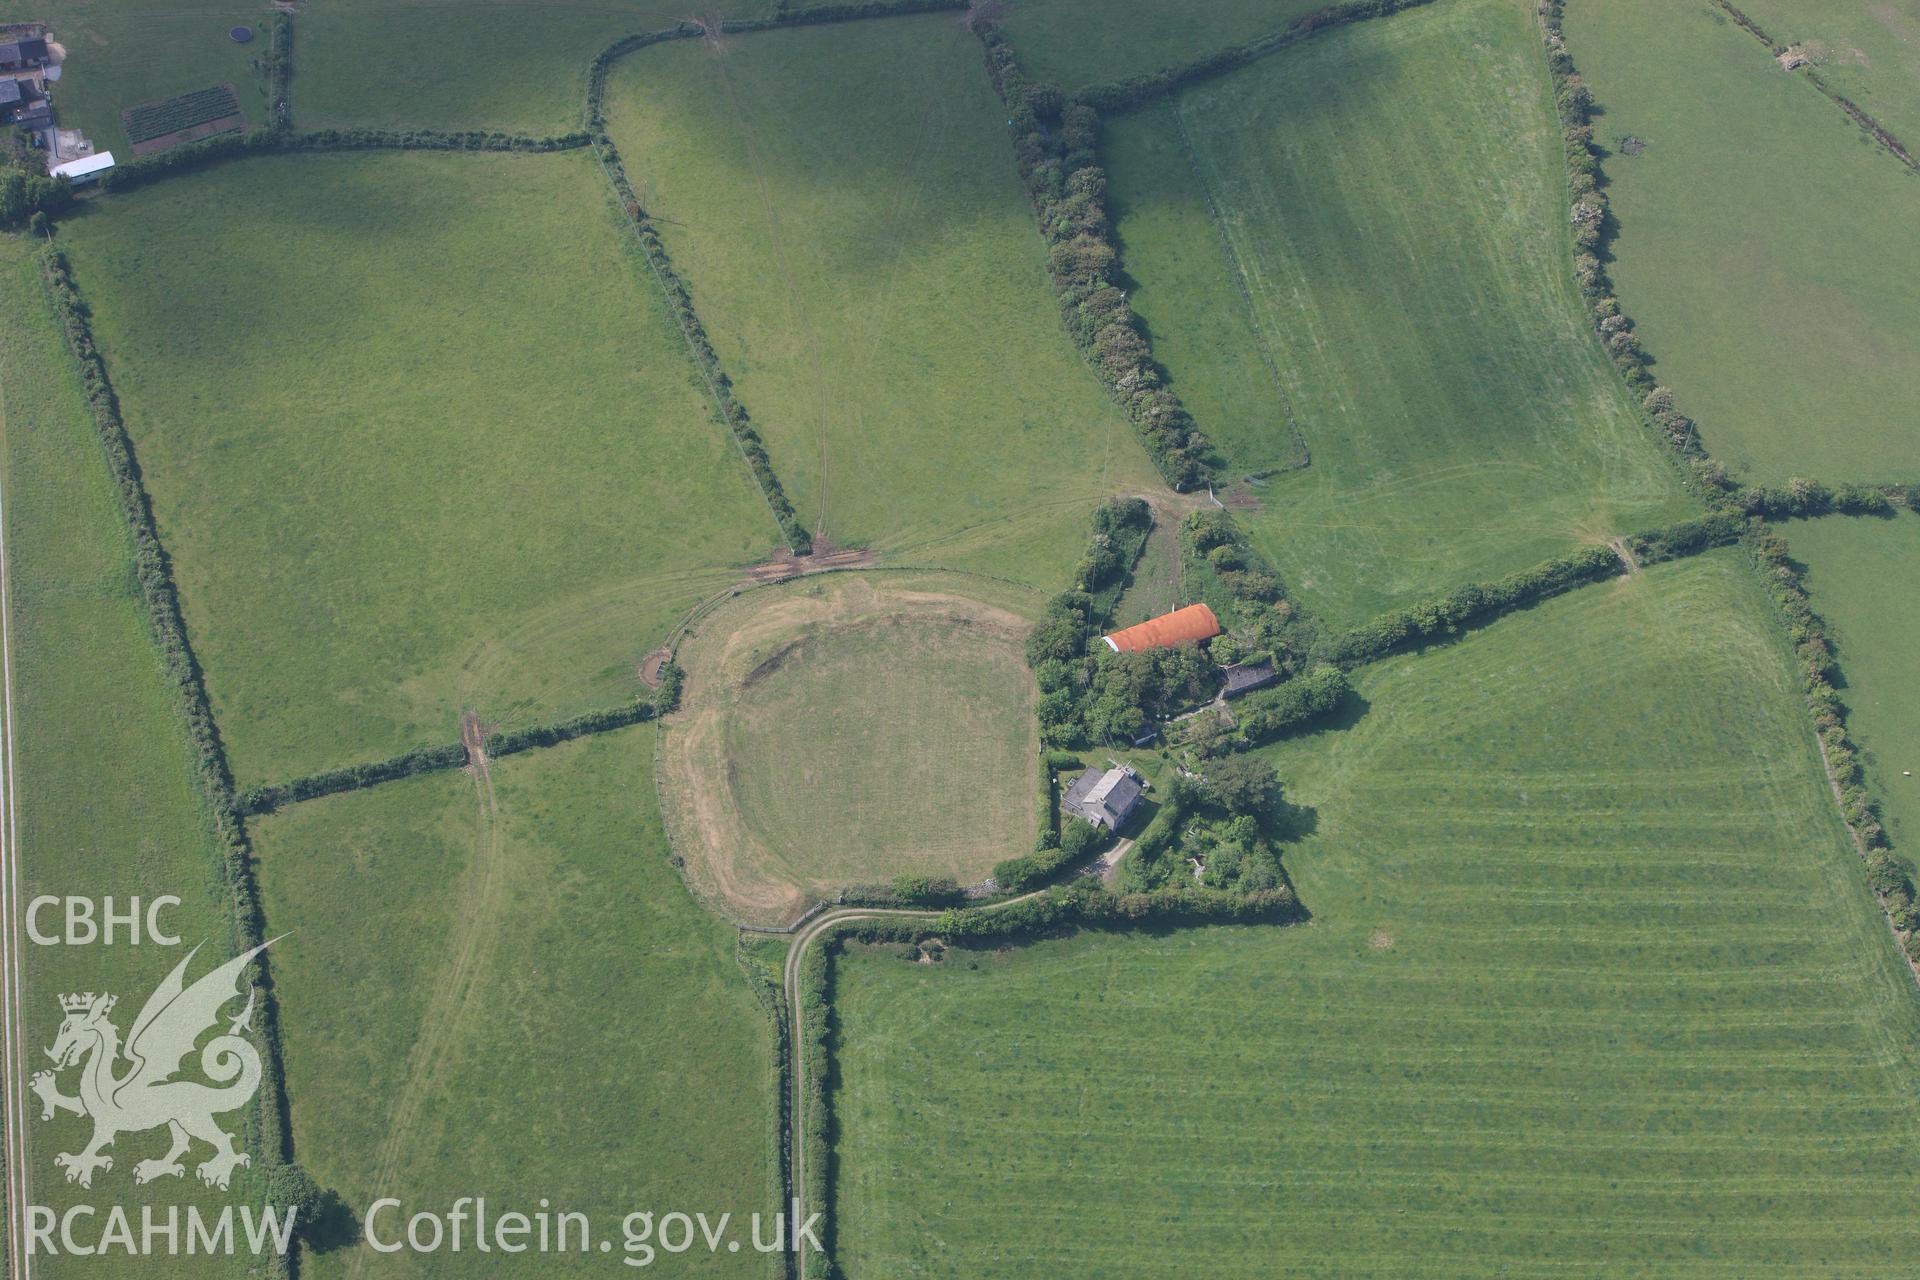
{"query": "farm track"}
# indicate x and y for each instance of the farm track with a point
(790, 984)
(457, 995)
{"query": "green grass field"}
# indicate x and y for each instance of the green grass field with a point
(1194, 300)
(121, 53)
(843, 204)
(1765, 245)
(1864, 576)
(91, 703)
(1868, 50)
(528, 1007)
(391, 489)
(1077, 42)
(1392, 197)
(882, 778)
(1594, 987)
(462, 64)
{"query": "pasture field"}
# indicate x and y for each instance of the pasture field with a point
(1594, 987)
(121, 53)
(843, 205)
(506, 990)
(1219, 360)
(848, 729)
(393, 490)
(462, 64)
(92, 702)
(1073, 42)
(1392, 196)
(1864, 577)
(1868, 50)
(1780, 311)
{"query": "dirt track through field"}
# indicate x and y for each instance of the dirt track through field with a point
(457, 994)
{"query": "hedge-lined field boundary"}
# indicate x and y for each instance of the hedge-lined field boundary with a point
(727, 407)
(1054, 154)
(772, 1000)
(192, 156)
(1475, 602)
(353, 777)
(267, 1131)
(1855, 112)
(1147, 86)
(1890, 877)
(1077, 905)
(280, 71)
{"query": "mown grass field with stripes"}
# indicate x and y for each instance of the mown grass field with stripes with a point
(1392, 197)
(1780, 312)
(842, 202)
(1594, 987)
(394, 491)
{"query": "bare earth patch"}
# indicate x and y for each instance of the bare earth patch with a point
(844, 730)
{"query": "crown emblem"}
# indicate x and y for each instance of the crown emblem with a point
(80, 1004)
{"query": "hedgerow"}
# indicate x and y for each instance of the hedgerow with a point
(1890, 876)
(1689, 537)
(727, 407)
(190, 156)
(153, 572)
(1120, 95)
(1263, 716)
(1804, 498)
(1446, 614)
(1219, 566)
(280, 71)
(266, 799)
(814, 1056)
(1054, 153)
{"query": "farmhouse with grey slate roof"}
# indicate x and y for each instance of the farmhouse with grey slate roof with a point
(1104, 799)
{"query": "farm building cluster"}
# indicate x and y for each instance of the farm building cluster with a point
(1107, 798)
(30, 61)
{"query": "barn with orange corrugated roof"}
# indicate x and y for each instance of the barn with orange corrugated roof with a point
(1182, 626)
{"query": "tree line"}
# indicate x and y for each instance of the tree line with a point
(1054, 141)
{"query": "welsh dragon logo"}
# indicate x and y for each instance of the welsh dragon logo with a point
(146, 1095)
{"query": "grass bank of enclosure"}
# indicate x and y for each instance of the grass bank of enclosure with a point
(394, 490)
(507, 990)
(92, 701)
(842, 203)
(1390, 195)
(850, 729)
(1764, 245)
(1594, 986)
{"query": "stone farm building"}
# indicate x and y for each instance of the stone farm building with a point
(1104, 799)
